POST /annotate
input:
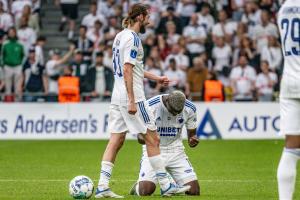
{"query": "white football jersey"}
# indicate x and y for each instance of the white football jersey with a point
(127, 48)
(169, 127)
(289, 28)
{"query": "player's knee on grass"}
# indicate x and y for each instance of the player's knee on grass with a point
(195, 188)
(292, 141)
(146, 188)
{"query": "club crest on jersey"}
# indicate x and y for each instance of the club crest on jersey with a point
(180, 120)
(133, 53)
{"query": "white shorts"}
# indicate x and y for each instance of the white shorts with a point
(289, 116)
(121, 121)
(177, 165)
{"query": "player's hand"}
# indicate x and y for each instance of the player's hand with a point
(193, 141)
(164, 80)
(132, 108)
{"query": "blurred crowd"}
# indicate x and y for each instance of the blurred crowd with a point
(212, 50)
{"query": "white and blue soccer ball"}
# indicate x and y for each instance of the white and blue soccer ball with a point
(81, 187)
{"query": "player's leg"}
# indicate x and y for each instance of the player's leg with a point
(118, 127)
(183, 173)
(144, 122)
(195, 188)
(287, 168)
(146, 183)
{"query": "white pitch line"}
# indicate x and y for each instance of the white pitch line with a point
(126, 181)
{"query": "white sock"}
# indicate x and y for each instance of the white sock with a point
(137, 189)
(286, 173)
(105, 173)
(158, 166)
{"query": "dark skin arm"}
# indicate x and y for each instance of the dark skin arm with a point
(193, 140)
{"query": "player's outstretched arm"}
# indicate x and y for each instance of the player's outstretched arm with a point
(160, 79)
(128, 79)
(193, 140)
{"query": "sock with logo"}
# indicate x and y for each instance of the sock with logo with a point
(105, 174)
(158, 166)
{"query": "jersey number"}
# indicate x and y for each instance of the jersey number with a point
(291, 29)
(116, 62)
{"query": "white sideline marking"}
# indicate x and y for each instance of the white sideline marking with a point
(126, 181)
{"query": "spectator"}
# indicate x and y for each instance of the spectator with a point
(84, 44)
(176, 76)
(251, 16)
(31, 18)
(238, 9)
(96, 35)
(195, 79)
(182, 61)
(156, 57)
(273, 54)
(107, 59)
(39, 50)
(90, 19)
(246, 47)
(112, 30)
(68, 87)
(33, 79)
(53, 70)
(106, 8)
(17, 8)
(79, 67)
(213, 89)
(99, 79)
(169, 17)
(13, 54)
(36, 6)
(265, 83)
(6, 20)
(241, 32)
(262, 31)
(171, 36)
(205, 19)
(185, 9)
(26, 35)
(152, 88)
(195, 37)
(221, 54)
(164, 48)
(242, 79)
(69, 10)
(224, 28)
(5, 5)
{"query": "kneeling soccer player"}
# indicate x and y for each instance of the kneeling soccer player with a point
(171, 112)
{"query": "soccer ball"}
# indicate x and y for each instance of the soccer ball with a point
(81, 187)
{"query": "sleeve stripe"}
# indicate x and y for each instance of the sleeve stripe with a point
(154, 100)
(190, 105)
(144, 112)
(135, 39)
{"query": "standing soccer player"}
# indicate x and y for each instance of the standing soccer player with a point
(289, 27)
(172, 112)
(128, 110)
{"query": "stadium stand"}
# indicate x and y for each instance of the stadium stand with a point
(186, 40)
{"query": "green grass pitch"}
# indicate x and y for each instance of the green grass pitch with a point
(226, 169)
